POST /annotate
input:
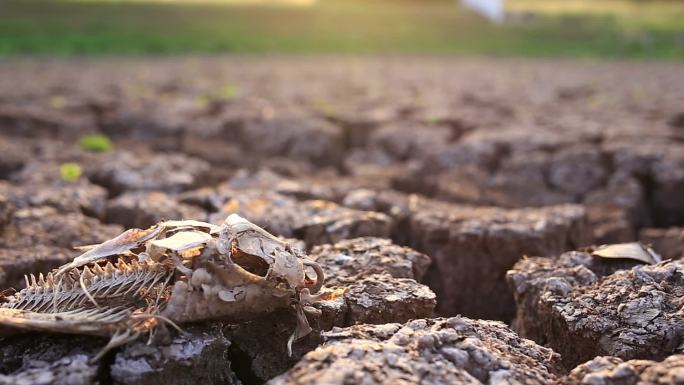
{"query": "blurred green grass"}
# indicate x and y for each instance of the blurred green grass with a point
(29, 27)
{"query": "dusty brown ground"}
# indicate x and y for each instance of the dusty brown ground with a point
(473, 162)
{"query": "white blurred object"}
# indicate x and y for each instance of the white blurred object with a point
(493, 10)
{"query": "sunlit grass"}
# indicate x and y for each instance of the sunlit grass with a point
(628, 13)
(70, 27)
(634, 8)
(218, 2)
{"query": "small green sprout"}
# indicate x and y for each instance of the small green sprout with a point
(96, 142)
(228, 92)
(324, 108)
(432, 119)
(70, 172)
(203, 101)
(57, 102)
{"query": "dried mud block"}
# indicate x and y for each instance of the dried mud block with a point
(73, 370)
(610, 224)
(659, 162)
(473, 160)
(346, 260)
(38, 159)
(386, 201)
(359, 122)
(378, 280)
(375, 169)
(305, 138)
(669, 243)
(49, 189)
(510, 172)
(258, 350)
(484, 155)
(14, 156)
(39, 239)
(667, 195)
(144, 209)
(397, 205)
(204, 144)
(159, 124)
(404, 141)
(268, 181)
(37, 359)
(521, 180)
(578, 170)
(82, 196)
(324, 184)
(433, 351)
(376, 298)
(584, 306)
(260, 346)
(374, 283)
(381, 298)
(506, 167)
(15, 262)
(668, 178)
(38, 121)
(473, 247)
(46, 226)
(314, 221)
(614, 371)
(44, 359)
(6, 209)
(617, 209)
(171, 173)
(198, 357)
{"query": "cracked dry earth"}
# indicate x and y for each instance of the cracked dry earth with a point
(450, 201)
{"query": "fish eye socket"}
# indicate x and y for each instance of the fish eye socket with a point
(249, 262)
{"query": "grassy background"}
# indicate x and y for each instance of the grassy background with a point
(585, 28)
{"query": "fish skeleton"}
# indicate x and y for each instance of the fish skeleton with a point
(172, 273)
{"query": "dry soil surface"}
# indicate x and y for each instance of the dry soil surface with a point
(417, 183)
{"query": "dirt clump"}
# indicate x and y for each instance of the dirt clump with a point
(372, 281)
(199, 355)
(173, 173)
(313, 221)
(614, 371)
(144, 209)
(669, 243)
(433, 351)
(584, 306)
(472, 248)
(416, 182)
